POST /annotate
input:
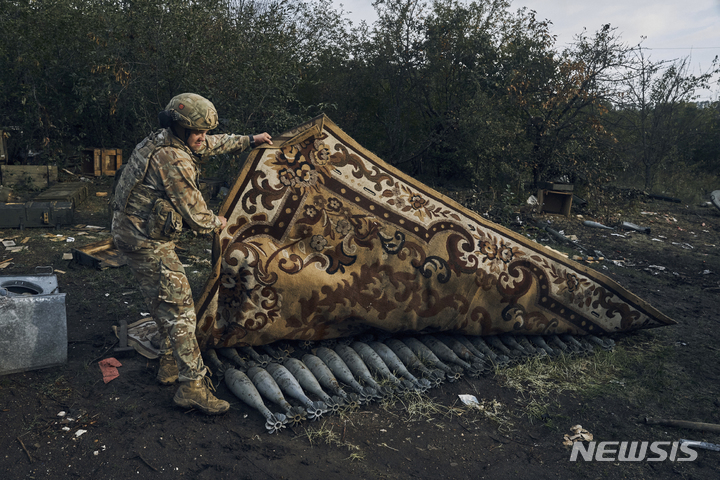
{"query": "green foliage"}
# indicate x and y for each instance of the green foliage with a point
(661, 132)
(464, 92)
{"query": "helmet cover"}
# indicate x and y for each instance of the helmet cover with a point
(193, 112)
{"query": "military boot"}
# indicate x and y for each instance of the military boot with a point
(168, 371)
(196, 394)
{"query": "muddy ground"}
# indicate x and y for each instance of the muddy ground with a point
(134, 430)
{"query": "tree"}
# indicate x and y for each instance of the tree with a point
(563, 97)
(656, 115)
(113, 65)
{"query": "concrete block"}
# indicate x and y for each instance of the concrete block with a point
(33, 323)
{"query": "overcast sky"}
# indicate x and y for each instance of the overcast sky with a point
(674, 28)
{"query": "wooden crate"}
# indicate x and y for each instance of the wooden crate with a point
(552, 201)
(75, 192)
(36, 214)
(36, 176)
(101, 161)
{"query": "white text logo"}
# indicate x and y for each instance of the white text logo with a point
(633, 452)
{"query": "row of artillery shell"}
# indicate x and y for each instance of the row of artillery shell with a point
(349, 372)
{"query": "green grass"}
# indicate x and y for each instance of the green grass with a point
(637, 370)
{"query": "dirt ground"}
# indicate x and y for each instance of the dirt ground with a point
(134, 430)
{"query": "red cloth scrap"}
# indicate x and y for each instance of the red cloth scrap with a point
(108, 366)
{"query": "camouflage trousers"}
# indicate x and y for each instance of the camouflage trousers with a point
(162, 281)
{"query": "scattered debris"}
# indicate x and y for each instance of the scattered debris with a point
(108, 367)
(123, 349)
(579, 434)
(632, 226)
(698, 444)
(706, 427)
(587, 259)
(25, 449)
(99, 255)
(589, 223)
(664, 197)
(715, 198)
(469, 400)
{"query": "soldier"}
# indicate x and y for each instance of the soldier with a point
(157, 190)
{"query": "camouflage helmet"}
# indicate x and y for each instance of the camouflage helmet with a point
(193, 112)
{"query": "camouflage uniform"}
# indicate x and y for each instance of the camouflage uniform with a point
(171, 174)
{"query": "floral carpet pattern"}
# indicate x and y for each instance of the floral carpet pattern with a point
(325, 240)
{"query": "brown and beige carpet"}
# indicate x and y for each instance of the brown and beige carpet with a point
(326, 240)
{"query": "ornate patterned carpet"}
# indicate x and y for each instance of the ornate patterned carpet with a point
(326, 240)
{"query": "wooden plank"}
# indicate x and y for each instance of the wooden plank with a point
(97, 157)
(98, 246)
(36, 176)
(100, 255)
(3, 148)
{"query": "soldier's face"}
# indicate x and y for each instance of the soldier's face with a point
(196, 139)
